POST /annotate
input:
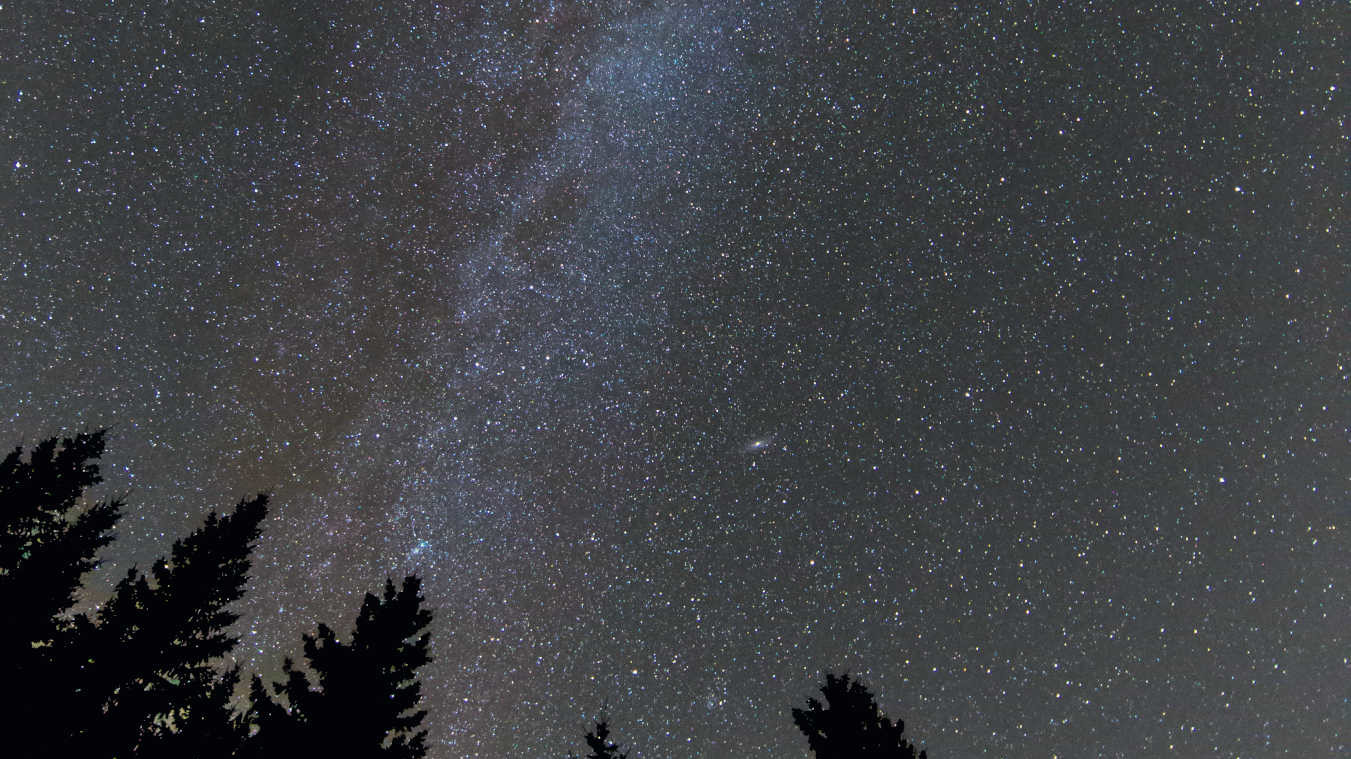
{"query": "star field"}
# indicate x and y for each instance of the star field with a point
(997, 353)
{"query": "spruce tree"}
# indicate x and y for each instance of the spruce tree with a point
(48, 542)
(849, 725)
(363, 700)
(600, 744)
(203, 723)
(148, 679)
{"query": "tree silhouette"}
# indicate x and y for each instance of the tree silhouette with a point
(147, 680)
(204, 725)
(599, 743)
(48, 543)
(850, 726)
(364, 701)
(138, 676)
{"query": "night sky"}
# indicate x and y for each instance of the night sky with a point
(998, 354)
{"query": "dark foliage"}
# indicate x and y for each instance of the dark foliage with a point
(147, 677)
(363, 700)
(140, 676)
(600, 744)
(137, 677)
(48, 543)
(204, 725)
(849, 724)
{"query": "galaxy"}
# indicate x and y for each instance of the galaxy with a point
(996, 353)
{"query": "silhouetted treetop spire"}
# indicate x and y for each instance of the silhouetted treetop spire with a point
(598, 741)
(849, 724)
(363, 701)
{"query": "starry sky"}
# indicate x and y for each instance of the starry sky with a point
(995, 352)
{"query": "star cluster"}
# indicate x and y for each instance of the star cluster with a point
(997, 353)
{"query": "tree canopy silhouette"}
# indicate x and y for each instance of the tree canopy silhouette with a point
(849, 725)
(148, 674)
(48, 543)
(137, 677)
(140, 675)
(365, 697)
(601, 746)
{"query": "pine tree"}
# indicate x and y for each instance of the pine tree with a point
(600, 744)
(850, 726)
(280, 730)
(48, 542)
(148, 680)
(203, 725)
(363, 701)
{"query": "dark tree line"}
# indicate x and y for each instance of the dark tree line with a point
(848, 724)
(142, 676)
(599, 743)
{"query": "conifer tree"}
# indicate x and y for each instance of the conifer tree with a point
(849, 725)
(363, 700)
(600, 744)
(147, 676)
(138, 677)
(48, 542)
(203, 725)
